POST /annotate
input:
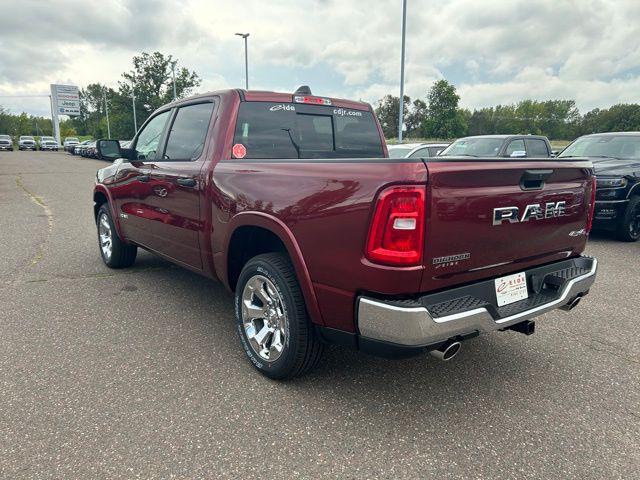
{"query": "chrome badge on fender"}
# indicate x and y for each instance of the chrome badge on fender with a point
(534, 211)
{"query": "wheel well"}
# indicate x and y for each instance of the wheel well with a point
(99, 199)
(246, 243)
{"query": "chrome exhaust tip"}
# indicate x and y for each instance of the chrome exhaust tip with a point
(575, 303)
(447, 351)
(572, 304)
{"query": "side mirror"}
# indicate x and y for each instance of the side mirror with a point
(518, 154)
(554, 153)
(108, 149)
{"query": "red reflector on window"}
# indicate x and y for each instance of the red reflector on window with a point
(397, 229)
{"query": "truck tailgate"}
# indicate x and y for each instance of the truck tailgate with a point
(465, 240)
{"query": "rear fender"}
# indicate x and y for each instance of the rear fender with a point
(277, 227)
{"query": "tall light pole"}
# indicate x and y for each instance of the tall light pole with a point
(246, 59)
(106, 109)
(404, 29)
(173, 74)
(133, 99)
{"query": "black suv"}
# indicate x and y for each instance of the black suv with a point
(510, 146)
(616, 160)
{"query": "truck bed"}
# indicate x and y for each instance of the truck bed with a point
(327, 204)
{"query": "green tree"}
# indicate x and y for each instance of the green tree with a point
(444, 119)
(388, 111)
(415, 119)
(153, 80)
(620, 118)
(482, 122)
(153, 88)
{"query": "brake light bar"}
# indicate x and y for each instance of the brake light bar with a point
(396, 234)
(311, 100)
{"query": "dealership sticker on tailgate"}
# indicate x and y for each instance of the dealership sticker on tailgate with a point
(511, 288)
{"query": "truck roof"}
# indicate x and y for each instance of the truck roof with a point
(614, 134)
(268, 96)
(523, 135)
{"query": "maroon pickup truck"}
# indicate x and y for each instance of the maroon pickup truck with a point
(291, 202)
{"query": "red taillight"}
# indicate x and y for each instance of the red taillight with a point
(592, 204)
(312, 100)
(397, 229)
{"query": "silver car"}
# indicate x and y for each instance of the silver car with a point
(416, 150)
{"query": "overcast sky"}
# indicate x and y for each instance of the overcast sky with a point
(493, 51)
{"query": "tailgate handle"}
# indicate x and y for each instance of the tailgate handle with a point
(534, 179)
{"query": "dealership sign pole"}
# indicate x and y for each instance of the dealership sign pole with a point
(133, 100)
(401, 110)
(65, 100)
(106, 110)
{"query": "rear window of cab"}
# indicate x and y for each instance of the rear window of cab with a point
(292, 130)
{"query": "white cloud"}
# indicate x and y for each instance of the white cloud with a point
(495, 52)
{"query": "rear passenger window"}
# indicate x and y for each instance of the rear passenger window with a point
(537, 148)
(188, 132)
(515, 146)
(435, 151)
(423, 152)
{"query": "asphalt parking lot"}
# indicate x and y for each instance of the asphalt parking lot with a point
(139, 374)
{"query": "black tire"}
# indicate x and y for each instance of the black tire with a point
(302, 348)
(629, 227)
(122, 255)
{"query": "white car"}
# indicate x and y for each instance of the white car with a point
(49, 143)
(27, 142)
(416, 150)
(69, 143)
(6, 143)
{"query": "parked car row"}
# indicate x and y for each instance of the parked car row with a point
(88, 149)
(84, 149)
(615, 157)
(508, 146)
(28, 142)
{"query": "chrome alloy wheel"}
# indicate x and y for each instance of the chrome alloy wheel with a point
(263, 318)
(104, 232)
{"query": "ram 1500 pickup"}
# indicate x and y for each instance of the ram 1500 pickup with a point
(291, 202)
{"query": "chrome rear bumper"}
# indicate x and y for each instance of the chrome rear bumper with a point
(415, 326)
